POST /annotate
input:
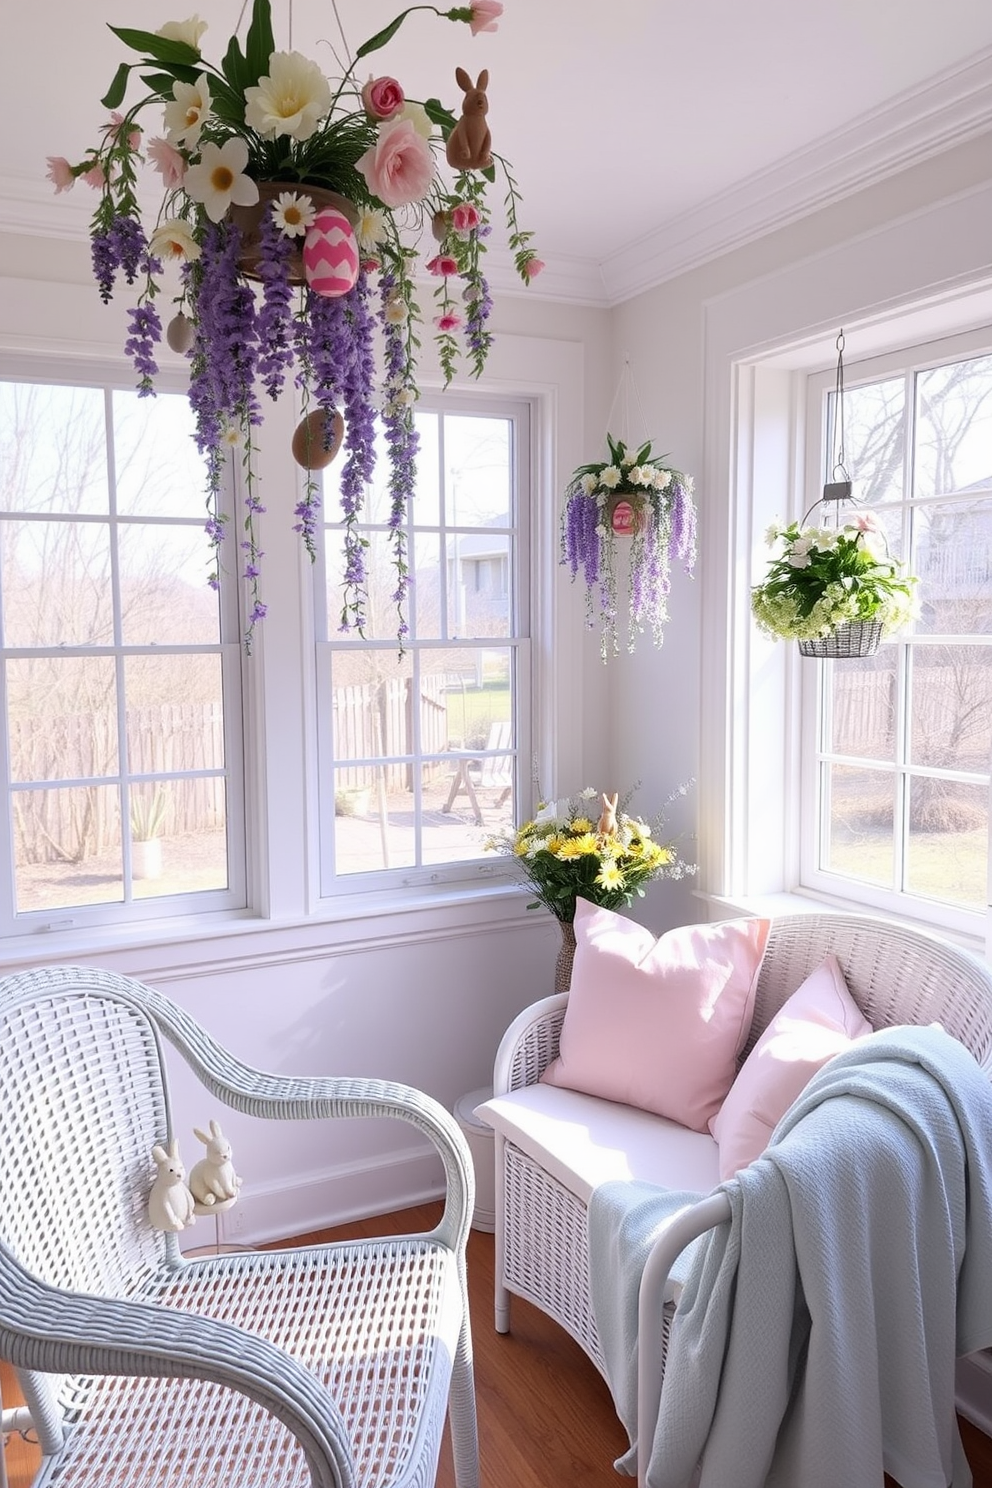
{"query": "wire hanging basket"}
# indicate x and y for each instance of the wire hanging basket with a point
(853, 638)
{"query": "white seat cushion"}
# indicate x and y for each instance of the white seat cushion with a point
(583, 1140)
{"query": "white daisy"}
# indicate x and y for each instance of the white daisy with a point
(293, 214)
(371, 227)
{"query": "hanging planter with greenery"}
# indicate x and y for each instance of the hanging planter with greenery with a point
(631, 505)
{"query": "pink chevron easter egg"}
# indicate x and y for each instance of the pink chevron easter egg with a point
(330, 254)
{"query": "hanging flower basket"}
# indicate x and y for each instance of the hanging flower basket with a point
(632, 509)
(856, 638)
(835, 590)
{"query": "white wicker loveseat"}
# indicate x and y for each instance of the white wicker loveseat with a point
(553, 1146)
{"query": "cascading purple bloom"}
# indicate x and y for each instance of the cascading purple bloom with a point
(682, 543)
(145, 333)
(402, 442)
(359, 467)
(274, 323)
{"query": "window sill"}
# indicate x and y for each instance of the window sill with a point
(790, 903)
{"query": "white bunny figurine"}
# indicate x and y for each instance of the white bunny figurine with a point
(213, 1180)
(170, 1203)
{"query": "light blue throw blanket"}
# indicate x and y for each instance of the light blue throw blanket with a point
(817, 1331)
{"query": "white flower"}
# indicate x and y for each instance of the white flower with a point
(231, 436)
(188, 31)
(293, 214)
(551, 813)
(798, 554)
(588, 484)
(773, 533)
(600, 531)
(371, 227)
(290, 100)
(628, 459)
(395, 310)
(173, 240)
(405, 398)
(418, 117)
(642, 475)
(661, 479)
(186, 115)
(218, 180)
(588, 793)
(609, 477)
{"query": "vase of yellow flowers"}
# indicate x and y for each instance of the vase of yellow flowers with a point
(588, 846)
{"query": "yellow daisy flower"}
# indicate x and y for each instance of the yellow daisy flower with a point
(581, 824)
(610, 877)
(579, 847)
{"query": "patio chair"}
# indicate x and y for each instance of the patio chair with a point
(330, 1365)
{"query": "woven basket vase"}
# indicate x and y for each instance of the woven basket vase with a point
(566, 955)
(856, 638)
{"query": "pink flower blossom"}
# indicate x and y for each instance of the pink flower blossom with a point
(865, 522)
(442, 265)
(464, 217)
(399, 168)
(60, 173)
(533, 267)
(382, 98)
(449, 321)
(370, 265)
(168, 162)
(485, 14)
(116, 120)
(95, 177)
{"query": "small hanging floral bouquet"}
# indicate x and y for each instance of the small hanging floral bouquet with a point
(570, 849)
(635, 499)
(824, 577)
(316, 190)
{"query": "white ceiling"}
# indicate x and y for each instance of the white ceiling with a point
(645, 134)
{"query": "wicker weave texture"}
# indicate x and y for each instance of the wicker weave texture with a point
(330, 1365)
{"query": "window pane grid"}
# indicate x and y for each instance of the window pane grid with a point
(117, 756)
(910, 730)
(418, 759)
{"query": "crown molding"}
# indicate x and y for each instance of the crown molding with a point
(948, 109)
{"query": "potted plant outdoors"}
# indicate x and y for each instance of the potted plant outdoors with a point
(634, 500)
(348, 176)
(835, 590)
(572, 849)
(148, 813)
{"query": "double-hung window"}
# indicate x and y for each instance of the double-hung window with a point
(896, 747)
(420, 754)
(119, 756)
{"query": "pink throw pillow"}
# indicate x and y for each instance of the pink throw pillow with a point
(817, 1022)
(658, 1023)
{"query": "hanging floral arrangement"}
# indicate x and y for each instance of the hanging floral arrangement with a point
(823, 581)
(294, 207)
(630, 510)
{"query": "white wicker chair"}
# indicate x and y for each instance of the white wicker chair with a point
(896, 975)
(332, 1365)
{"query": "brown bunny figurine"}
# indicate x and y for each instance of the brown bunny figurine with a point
(468, 146)
(608, 820)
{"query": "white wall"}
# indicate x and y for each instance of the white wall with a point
(420, 994)
(908, 237)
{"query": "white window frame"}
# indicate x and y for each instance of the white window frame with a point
(484, 868)
(905, 363)
(110, 377)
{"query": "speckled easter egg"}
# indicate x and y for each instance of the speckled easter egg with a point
(317, 439)
(330, 254)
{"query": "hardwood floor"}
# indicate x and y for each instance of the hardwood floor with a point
(545, 1417)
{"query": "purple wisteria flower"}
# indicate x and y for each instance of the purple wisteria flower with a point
(145, 333)
(121, 249)
(402, 442)
(274, 324)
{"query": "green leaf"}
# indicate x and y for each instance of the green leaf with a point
(161, 82)
(259, 43)
(114, 96)
(439, 115)
(381, 37)
(234, 66)
(158, 48)
(489, 173)
(643, 453)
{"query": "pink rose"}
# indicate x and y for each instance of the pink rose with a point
(533, 267)
(60, 173)
(485, 14)
(464, 217)
(442, 265)
(168, 162)
(449, 321)
(370, 265)
(399, 168)
(382, 98)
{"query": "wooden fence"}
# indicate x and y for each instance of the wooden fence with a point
(375, 719)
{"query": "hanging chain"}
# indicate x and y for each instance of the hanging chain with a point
(839, 407)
